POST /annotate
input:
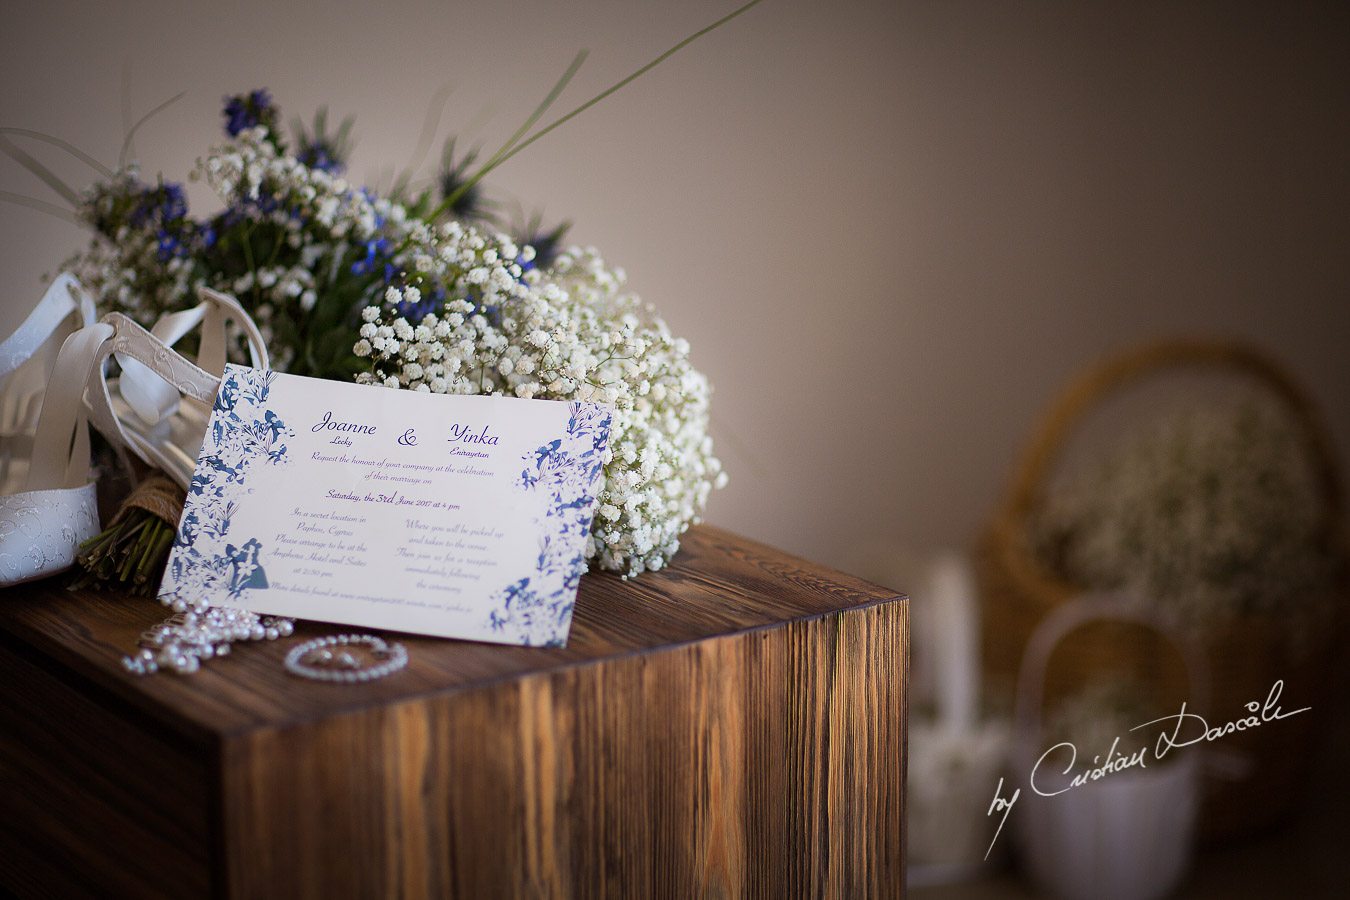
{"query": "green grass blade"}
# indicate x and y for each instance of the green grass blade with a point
(42, 172)
(50, 209)
(642, 71)
(64, 145)
(126, 142)
(505, 149)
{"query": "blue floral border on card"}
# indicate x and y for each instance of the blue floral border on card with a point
(243, 434)
(537, 609)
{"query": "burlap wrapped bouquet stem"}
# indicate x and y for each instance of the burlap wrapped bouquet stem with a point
(1247, 654)
(157, 495)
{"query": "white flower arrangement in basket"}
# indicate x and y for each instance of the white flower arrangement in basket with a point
(1214, 513)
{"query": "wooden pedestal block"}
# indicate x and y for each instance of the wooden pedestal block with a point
(731, 726)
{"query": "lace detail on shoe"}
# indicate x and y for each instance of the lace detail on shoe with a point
(40, 531)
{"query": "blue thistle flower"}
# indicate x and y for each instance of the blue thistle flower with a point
(469, 202)
(321, 150)
(317, 156)
(249, 110)
(546, 244)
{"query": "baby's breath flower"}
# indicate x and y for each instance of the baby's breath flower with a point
(1215, 512)
(569, 333)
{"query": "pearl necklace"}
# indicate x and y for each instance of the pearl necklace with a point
(190, 636)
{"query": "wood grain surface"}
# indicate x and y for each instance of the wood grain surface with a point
(732, 726)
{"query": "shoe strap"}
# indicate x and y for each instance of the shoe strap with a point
(153, 399)
(132, 342)
(223, 308)
(65, 296)
(61, 445)
(63, 308)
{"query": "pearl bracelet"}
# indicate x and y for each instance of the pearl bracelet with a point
(339, 664)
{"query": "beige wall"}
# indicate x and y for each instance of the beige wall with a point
(889, 229)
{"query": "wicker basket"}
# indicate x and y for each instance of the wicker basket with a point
(1262, 784)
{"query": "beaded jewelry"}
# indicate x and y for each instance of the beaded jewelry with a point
(187, 637)
(314, 659)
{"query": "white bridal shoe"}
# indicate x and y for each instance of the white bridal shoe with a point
(157, 409)
(160, 405)
(48, 505)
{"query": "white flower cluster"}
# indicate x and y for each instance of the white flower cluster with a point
(317, 224)
(569, 334)
(320, 217)
(116, 271)
(1216, 512)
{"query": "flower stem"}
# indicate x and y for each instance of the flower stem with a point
(131, 132)
(505, 149)
(511, 147)
(64, 145)
(38, 169)
(131, 553)
(642, 71)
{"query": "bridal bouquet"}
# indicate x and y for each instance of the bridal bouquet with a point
(419, 291)
(416, 286)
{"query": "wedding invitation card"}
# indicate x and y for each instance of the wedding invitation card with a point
(456, 516)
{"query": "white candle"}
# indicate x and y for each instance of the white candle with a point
(956, 620)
